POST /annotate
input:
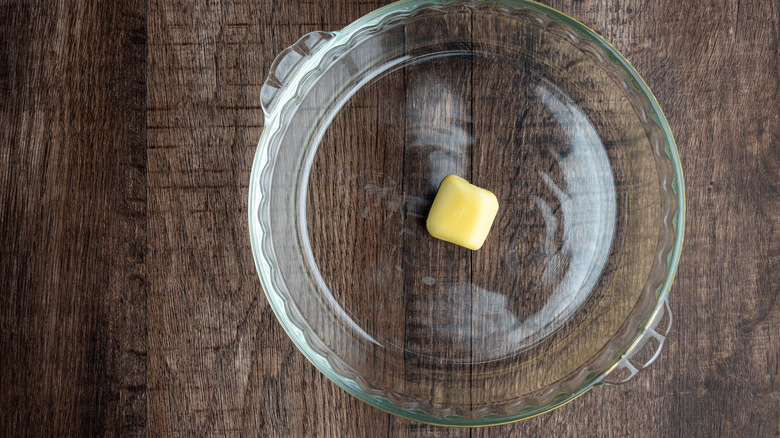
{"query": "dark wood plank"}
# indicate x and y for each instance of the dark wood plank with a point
(366, 276)
(72, 219)
(219, 362)
(436, 288)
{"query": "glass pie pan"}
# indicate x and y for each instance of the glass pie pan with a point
(569, 291)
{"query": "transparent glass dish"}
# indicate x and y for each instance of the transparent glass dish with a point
(569, 290)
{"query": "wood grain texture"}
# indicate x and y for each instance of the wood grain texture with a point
(72, 219)
(219, 363)
(129, 302)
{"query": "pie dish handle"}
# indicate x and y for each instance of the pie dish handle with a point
(286, 64)
(646, 351)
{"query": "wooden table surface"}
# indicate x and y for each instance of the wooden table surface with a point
(129, 301)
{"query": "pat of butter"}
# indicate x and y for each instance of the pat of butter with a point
(462, 213)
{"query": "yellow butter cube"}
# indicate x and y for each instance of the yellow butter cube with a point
(462, 213)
